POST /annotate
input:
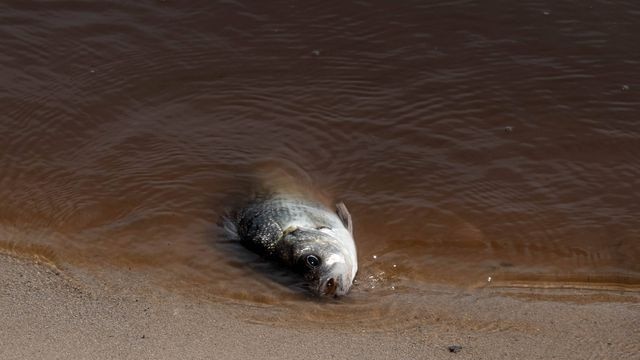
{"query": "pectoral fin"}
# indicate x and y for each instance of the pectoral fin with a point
(345, 217)
(289, 230)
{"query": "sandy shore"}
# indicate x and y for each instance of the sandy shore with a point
(48, 315)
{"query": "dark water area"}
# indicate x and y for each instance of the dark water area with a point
(475, 143)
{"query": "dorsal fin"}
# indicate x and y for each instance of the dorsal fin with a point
(343, 214)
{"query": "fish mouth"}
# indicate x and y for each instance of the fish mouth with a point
(335, 282)
(332, 287)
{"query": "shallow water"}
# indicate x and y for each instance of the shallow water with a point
(475, 144)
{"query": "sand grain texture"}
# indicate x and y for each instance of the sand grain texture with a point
(48, 315)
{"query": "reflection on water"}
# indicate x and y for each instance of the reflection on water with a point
(469, 141)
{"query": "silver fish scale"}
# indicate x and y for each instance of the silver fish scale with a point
(262, 224)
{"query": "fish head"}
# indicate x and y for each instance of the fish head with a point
(323, 261)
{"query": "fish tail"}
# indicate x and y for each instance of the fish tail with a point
(229, 228)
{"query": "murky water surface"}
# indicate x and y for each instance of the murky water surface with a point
(470, 140)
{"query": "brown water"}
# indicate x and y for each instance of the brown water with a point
(469, 139)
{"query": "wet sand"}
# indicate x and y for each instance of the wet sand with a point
(47, 314)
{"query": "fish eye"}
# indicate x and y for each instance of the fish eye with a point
(312, 261)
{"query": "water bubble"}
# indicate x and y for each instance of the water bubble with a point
(625, 87)
(375, 257)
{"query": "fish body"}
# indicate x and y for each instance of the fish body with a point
(304, 235)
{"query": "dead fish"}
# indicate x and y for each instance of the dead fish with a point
(304, 235)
